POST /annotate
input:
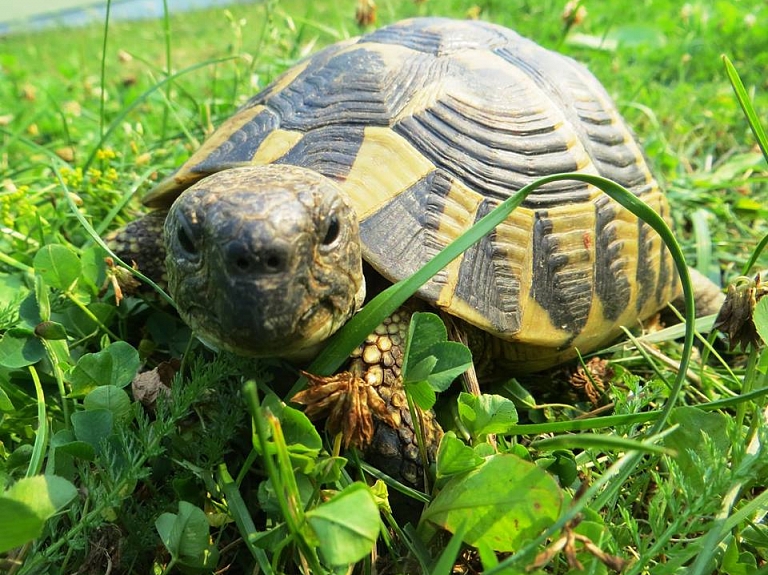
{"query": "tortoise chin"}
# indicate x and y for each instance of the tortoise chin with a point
(264, 261)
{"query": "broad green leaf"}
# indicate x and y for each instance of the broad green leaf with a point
(422, 394)
(93, 267)
(429, 357)
(57, 265)
(18, 524)
(760, 317)
(112, 399)
(346, 526)
(300, 433)
(65, 442)
(424, 330)
(20, 348)
(186, 535)
(51, 330)
(5, 402)
(453, 359)
(170, 537)
(503, 503)
(116, 365)
(27, 505)
(697, 430)
(486, 413)
(93, 426)
(454, 456)
(191, 530)
(520, 394)
(420, 369)
(29, 311)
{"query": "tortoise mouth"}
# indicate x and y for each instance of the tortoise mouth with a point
(279, 341)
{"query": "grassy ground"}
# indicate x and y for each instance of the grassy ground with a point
(91, 124)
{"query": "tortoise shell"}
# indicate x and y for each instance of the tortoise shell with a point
(430, 123)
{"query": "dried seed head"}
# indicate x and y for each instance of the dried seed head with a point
(736, 316)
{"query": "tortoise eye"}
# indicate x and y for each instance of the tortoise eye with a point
(185, 238)
(333, 230)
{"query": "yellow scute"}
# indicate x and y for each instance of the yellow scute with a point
(386, 165)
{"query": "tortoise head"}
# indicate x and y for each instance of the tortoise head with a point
(264, 260)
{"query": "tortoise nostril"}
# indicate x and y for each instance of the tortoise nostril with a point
(243, 260)
(274, 263)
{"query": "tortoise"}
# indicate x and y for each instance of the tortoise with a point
(366, 159)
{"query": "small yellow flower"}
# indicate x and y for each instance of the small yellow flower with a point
(105, 154)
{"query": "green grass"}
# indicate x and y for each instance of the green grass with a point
(60, 129)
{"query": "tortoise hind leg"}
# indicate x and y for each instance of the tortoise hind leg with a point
(368, 406)
(707, 295)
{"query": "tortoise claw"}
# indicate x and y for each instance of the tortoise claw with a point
(349, 403)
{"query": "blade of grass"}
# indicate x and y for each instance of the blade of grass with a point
(746, 105)
(239, 511)
(168, 66)
(103, 94)
(601, 442)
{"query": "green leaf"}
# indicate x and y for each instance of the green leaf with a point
(116, 365)
(93, 426)
(29, 311)
(186, 534)
(454, 456)
(41, 299)
(346, 526)
(64, 441)
(503, 503)
(420, 369)
(81, 324)
(760, 317)
(453, 359)
(423, 331)
(50, 330)
(422, 394)
(20, 348)
(429, 357)
(523, 397)
(301, 435)
(486, 414)
(93, 267)
(18, 524)
(57, 265)
(112, 399)
(27, 505)
(5, 402)
(697, 432)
